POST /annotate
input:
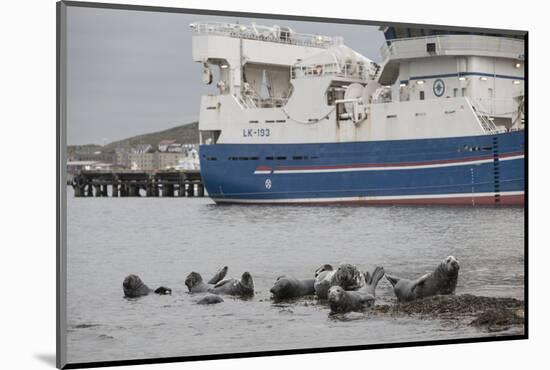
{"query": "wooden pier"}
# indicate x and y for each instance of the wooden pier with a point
(130, 183)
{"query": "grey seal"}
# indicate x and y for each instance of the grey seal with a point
(347, 276)
(342, 301)
(441, 281)
(195, 284)
(243, 287)
(288, 287)
(133, 287)
(210, 299)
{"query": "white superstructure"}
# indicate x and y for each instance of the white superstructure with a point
(274, 85)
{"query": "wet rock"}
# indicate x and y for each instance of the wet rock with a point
(499, 319)
(210, 299)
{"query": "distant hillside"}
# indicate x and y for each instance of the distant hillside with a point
(87, 148)
(186, 134)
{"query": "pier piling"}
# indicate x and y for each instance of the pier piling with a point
(200, 190)
(129, 183)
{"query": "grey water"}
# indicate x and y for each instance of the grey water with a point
(163, 239)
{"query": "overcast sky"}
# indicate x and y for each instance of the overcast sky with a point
(131, 72)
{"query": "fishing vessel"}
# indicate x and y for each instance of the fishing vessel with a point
(302, 118)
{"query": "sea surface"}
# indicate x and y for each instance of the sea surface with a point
(163, 239)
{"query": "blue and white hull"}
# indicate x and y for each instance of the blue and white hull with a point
(473, 170)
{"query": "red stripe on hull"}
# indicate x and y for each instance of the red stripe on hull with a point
(263, 168)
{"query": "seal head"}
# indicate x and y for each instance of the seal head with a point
(348, 277)
(133, 287)
(451, 265)
(193, 279)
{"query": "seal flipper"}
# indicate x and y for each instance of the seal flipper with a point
(420, 281)
(372, 280)
(392, 279)
(222, 282)
(218, 276)
(367, 300)
(325, 267)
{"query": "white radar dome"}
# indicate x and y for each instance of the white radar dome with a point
(354, 91)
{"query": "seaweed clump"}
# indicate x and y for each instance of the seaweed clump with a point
(489, 313)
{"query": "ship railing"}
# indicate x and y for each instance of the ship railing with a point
(496, 107)
(282, 35)
(329, 69)
(247, 101)
(416, 46)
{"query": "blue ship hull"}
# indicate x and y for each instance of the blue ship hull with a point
(474, 170)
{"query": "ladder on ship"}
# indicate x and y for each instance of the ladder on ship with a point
(485, 121)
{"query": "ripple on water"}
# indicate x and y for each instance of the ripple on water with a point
(85, 326)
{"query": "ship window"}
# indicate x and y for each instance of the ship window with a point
(298, 158)
(269, 121)
(252, 121)
(455, 92)
(281, 158)
(243, 158)
(391, 116)
(421, 95)
(269, 158)
(463, 91)
(490, 93)
(281, 121)
(254, 158)
(211, 158)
